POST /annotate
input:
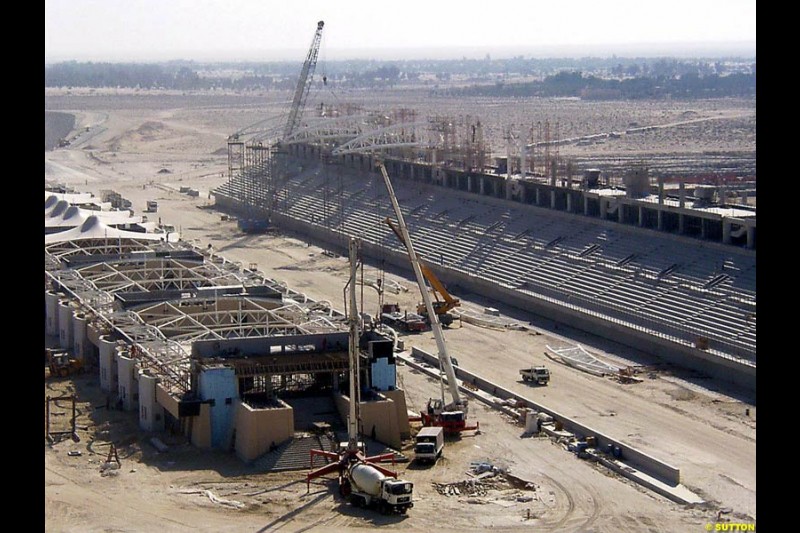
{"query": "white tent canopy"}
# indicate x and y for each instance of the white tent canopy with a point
(75, 216)
(94, 228)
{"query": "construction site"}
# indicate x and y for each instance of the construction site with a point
(262, 347)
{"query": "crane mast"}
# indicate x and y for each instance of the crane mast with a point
(444, 357)
(304, 83)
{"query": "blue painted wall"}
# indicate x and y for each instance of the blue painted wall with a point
(219, 384)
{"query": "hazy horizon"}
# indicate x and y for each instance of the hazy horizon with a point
(741, 49)
(248, 30)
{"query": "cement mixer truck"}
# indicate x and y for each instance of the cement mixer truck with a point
(369, 487)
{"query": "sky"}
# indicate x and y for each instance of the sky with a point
(266, 30)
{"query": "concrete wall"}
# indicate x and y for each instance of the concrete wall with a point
(380, 414)
(220, 385)
(108, 365)
(127, 388)
(151, 414)
(201, 428)
(644, 462)
(398, 396)
(258, 429)
(65, 310)
(167, 401)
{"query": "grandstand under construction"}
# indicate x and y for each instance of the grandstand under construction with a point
(668, 271)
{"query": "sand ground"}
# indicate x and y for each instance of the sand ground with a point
(147, 148)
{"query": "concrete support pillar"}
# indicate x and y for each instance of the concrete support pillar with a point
(682, 194)
(641, 216)
(508, 189)
(726, 232)
(108, 371)
(703, 230)
(523, 193)
(603, 208)
(51, 299)
(660, 220)
(126, 386)
(681, 223)
(65, 324)
(585, 205)
(620, 211)
(660, 191)
(151, 414)
(569, 203)
(483, 186)
(412, 168)
(80, 347)
(538, 196)
(751, 237)
(552, 198)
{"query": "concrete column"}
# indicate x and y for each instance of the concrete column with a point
(552, 198)
(126, 386)
(751, 237)
(703, 230)
(660, 191)
(151, 414)
(726, 231)
(585, 205)
(569, 203)
(80, 342)
(681, 223)
(411, 171)
(682, 194)
(51, 299)
(65, 324)
(603, 208)
(538, 196)
(508, 189)
(620, 211)
(660, 220)
(641, 216)
(482, 186)
(108, 371)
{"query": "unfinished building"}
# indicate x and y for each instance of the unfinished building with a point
(207, 348)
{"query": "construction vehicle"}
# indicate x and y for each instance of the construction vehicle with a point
(369, 487)
(441, 307)
(409, 322)
(537, 374)
(152, 206)
(451, 416)
(429, 444)
(361, 480)
(61, 364)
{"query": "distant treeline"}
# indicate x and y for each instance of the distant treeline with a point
(575, 84)
(584, 77)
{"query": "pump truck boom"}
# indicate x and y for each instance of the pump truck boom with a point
(452, 416)
(361, 480)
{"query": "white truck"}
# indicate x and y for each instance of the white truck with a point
(538, 374)
(369, 487)
(429, 444)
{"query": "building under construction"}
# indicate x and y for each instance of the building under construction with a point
(202, 346)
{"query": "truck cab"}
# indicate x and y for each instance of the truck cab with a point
(537, 374)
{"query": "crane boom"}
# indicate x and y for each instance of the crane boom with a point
(448, 302)
(444, 357)
(303, 83)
